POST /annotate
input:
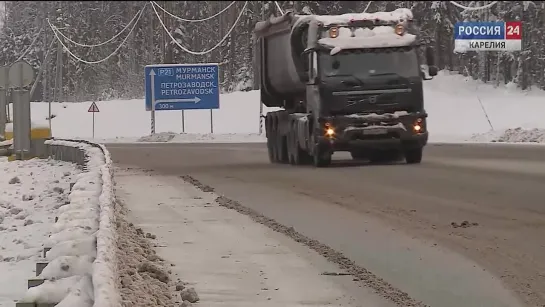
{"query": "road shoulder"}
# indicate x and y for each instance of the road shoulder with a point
(228, 258)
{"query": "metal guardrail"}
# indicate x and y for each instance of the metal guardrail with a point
(104, 276)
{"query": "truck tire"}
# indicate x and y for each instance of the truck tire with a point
(271, 150)
(320, 158)
(281, 146)
(282, 149)
(291, 148)
(413, 155)
(297, 156)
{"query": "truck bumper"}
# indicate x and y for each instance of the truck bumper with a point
(391, 134)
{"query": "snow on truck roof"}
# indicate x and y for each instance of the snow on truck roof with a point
(398, 15)
(380, 36)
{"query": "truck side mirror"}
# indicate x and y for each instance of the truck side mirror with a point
(430, 59)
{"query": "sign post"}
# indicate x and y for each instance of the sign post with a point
(211, 122)
(4, 105)
(183, 122)
(172, 87)
(20, 75)
(93, 109)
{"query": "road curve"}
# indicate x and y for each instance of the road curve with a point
(464, 228)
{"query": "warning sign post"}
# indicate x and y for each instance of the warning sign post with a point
(93, 109)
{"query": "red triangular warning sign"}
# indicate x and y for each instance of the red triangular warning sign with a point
(93, 108)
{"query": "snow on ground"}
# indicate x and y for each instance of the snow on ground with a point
(452, 101)
(30, 194)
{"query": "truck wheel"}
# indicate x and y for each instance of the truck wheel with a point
(322, 159)
(270, 149)
(282, 149)
(291, 148)
(413, 155)
(300, 156)
(271, 135)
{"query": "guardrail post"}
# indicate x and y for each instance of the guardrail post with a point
(35, 282)
(40, 266)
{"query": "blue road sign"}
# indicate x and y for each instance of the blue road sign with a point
(182, 86)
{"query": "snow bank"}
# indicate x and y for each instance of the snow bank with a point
(31, 193)
(516, 135)
(82, 256)
(173, 137)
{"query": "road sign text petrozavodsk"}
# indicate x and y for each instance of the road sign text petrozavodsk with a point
(182, 86)
(488, 36)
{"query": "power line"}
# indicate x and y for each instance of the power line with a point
(278, 7)
(206, 51)
(111, 54)
(467, 8)
(103, 43)
(193, 20)
(367, 7)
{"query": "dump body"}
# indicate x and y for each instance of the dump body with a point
(281, 69)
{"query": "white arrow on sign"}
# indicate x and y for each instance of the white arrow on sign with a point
(194, 100)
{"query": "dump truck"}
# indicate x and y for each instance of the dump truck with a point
(350, 82)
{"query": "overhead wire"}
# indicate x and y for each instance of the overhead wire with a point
(367, 7)
(279, 7)
(194, 20)
(199, 52)
(467, 8)
(99, 44)
(111, 54)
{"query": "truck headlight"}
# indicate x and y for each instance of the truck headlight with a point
(417, 126)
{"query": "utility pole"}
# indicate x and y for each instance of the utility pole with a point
(45, 85)
(58, 82)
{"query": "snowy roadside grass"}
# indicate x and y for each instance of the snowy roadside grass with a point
(31, 194)
(172, 137)
(82, 267)
(516, 135)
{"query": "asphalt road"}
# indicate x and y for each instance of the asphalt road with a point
(464, 228)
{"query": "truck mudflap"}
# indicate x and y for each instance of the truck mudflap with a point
(390, 130)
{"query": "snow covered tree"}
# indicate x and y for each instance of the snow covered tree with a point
(25, 24)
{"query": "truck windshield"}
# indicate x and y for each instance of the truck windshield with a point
(403, 62)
